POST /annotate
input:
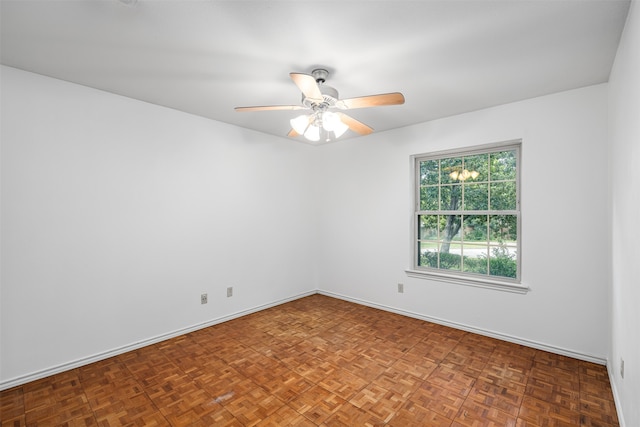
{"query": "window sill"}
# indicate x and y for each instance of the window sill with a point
(469, 281)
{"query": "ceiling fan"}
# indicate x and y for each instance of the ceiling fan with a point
(320, 98)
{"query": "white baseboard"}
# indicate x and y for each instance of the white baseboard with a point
(616, 395)
(17, 381)
(479, 331)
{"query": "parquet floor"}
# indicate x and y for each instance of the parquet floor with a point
(319, 361)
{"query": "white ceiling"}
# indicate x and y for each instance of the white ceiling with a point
(206, 57)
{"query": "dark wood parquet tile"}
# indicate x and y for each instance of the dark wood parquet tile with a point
(57, 400)
(495, 396)
(316, 404)
(415, 415)
(378, 401)
(213, 415)
(438, 399)
(319, 361)
(366, 368)
(316, 370)
(136, 410)
(451, 379)
(414, 365)
(349, 415)
(343, 383)
(475, 414)
(501, 373)
(250, 403)
(284, 417)
(12, 407)
(434, 347)
(285, 386)
(397, 380)
(541, 413)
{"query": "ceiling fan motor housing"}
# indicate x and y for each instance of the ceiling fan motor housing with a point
(329, 94)
(329, 97)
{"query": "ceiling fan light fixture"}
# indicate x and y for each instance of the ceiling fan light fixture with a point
(319, 98)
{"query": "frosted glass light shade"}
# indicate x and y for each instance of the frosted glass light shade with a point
(312, 133)
(331, 122)
(340, 128)
(300, 123)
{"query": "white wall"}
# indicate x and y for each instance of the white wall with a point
(117, 215)
(365, 216)
(624, 135)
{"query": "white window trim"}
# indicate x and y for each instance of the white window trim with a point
(477, 282)
(460, 278)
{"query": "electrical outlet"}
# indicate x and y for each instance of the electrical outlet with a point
(400, 288)
(622, 368)
(229, 291)
(203, 299)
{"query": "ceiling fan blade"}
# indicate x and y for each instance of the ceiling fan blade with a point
(395, 98)
(307, 85)
(271, 108)
(292, 133)
(354, 124)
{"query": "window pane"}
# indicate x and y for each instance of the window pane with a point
(478, 166)
(429, 198)
(428, 254)
(503, 196)
(476, 197)
(450, 197)
(448, 167)
(503, 165)
(503, 261)
(475, 228)
(451, 260)
(475, 258)
(449, 230)
(428, 227)
(503, 228)
(429, 172)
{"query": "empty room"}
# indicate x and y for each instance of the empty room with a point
(327, 213)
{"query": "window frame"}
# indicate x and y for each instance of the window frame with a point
(455, 276)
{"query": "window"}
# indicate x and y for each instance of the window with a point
(467, 214)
